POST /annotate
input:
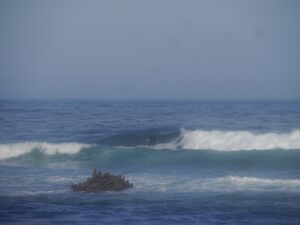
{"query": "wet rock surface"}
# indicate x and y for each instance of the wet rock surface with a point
(101, 182)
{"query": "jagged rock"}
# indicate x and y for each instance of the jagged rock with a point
(100, 182)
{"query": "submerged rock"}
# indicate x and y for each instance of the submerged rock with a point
(100, 182)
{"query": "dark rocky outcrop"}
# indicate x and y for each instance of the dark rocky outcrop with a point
(100, 182)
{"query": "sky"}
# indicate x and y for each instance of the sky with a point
(161, 49)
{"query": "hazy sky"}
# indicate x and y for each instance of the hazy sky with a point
(150, 49)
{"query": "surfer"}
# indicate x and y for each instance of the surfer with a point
(152, 140)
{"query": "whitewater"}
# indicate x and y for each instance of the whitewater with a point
(234, 140)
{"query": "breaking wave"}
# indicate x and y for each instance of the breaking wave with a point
(16, 149)
(219, 149)
(233, 140)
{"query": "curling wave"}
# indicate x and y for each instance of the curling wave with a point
(233, 140)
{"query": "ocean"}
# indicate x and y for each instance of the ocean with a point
(213, 162)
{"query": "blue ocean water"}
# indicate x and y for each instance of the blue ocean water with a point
(214, 162)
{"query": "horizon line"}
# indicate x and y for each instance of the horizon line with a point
(151, 99)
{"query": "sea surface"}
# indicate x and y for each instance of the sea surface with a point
(214, 162)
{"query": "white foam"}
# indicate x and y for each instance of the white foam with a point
(16, 149)
(173, 183)
(32, 193)
(234, 140)
(254, 183)
(65, 179)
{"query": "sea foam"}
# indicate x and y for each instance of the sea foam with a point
(233, 140)
(173, 183)
(16, 149)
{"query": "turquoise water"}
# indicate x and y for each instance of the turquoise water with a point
(214, 162)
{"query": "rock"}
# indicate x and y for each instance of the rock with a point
(100, 182)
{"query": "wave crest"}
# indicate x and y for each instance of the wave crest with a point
(16, 149)
(234, 140)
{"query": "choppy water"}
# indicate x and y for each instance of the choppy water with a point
(215, 162)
